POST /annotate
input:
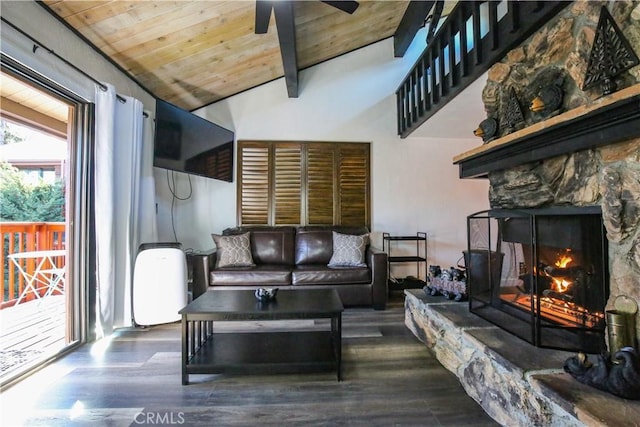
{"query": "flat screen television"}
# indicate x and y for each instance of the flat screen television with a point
(187, 143)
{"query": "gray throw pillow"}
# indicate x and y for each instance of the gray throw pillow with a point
(348, 250)
(233, 251)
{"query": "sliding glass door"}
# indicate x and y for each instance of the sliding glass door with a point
(45, 162)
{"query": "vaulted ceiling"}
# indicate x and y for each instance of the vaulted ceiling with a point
(194, 53)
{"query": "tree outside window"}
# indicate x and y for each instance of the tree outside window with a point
(23, 198)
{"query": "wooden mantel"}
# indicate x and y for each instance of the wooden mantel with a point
(608, 120)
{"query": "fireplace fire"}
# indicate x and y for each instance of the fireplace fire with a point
(541, 274)
(562, 299)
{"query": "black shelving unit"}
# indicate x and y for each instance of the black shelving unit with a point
(420, 258)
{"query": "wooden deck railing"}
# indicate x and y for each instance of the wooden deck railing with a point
(26, 237)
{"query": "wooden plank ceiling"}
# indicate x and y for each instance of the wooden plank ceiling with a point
(193, 53)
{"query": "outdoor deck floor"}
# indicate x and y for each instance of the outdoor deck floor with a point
(31, 332)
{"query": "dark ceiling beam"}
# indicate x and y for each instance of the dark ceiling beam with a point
(412, 20)
(287, 37)
(263, 16)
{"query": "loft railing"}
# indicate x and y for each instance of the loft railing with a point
(475, 35)
(20, 237)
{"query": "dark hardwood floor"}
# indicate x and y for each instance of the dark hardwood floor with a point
(390, 378)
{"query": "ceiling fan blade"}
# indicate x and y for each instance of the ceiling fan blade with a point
(345, 6)
(263, 15)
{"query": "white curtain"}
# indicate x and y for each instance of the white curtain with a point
(125, 204)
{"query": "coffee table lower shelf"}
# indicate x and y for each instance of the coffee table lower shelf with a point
(208, 350)
(273, 352)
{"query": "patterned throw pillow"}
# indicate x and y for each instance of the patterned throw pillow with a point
(348, 250)
(233, 251)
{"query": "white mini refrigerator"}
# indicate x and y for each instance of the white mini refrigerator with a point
(159, 283)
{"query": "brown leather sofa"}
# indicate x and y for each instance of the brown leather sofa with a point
(298, 257)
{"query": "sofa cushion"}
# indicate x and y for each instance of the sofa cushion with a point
(314, 243)
(322, 274)
(348, 250)
(313, 247)
(269, 245)
(233, 251)
(262, 275)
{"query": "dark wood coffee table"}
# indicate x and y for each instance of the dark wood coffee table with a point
(206, 351)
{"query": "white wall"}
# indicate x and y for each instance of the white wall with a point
(415, 186)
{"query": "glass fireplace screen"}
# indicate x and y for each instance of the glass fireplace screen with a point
(540, 274)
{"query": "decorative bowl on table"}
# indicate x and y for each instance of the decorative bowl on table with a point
(266, 294)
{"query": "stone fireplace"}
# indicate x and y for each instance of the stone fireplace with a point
(584, 156)
(580, 162)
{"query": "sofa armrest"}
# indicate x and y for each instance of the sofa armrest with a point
(377, 261)
(201, 263)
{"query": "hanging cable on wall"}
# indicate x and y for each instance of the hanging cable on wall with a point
(171, 184)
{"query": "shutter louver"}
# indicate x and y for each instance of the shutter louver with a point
(287, 184)
(353, 181)
(320, 184)
(254, 185)
(294, 183)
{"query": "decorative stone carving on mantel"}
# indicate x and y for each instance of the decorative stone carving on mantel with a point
(543, 97)
(563, 49)
(605, 121)
(549, 98)
(487, 129)
(611, 55)
(512, 116)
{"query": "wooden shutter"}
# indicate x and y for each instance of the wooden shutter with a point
(353, 183)
(253, 183)
(320, 184)
(287, 183)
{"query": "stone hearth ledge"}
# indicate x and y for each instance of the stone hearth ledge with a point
(516, 383)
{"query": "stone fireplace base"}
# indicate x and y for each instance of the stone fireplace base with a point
(516, 383)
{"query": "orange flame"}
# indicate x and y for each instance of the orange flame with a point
(561, 285)
(563, 261)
